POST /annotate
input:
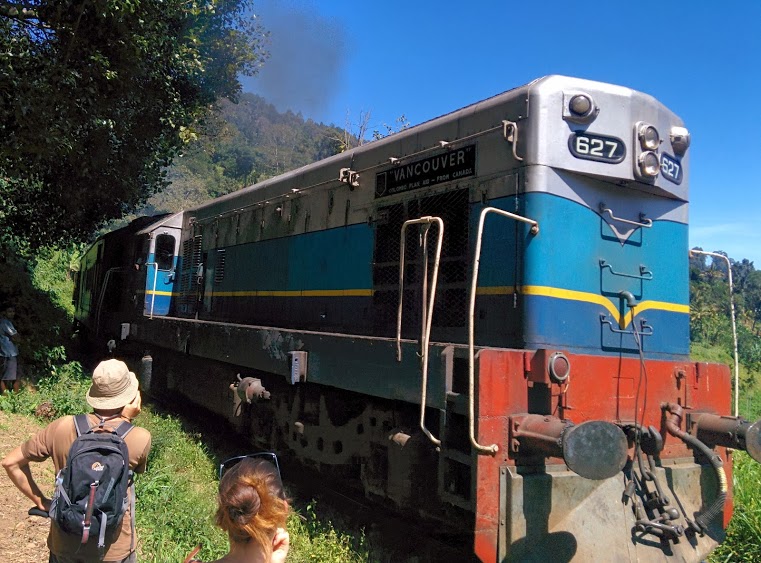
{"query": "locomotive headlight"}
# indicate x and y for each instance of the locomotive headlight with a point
(580, 105)
(649, 164)
(680, 140)
(648, 137)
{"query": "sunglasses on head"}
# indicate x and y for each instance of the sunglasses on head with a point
(228, 464)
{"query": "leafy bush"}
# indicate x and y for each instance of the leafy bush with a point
(62, 392)
(52, 274)
(40, 288)
(66, 388)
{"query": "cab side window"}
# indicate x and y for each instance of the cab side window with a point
(165, 252)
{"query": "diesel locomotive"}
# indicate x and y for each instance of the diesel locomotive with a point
(482, 320)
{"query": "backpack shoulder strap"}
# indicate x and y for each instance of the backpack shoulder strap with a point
(82, 424)
(123, 429)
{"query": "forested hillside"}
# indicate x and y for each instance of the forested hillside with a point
(239, 145)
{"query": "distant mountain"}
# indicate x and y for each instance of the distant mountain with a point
(239, 145)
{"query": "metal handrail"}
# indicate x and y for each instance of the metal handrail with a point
(645, 329)
(493, 448)
(510, 133)
(155, 282)
(425, 328)
(645, 274)
(646, 223)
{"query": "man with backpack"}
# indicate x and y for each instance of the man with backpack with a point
(92, 510)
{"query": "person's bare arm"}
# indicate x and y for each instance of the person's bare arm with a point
(132, 409)
(17, 468)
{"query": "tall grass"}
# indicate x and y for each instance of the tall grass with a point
(743, 541)
(177, 500)
(176, 496)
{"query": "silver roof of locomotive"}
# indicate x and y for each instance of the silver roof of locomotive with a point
(537, 107)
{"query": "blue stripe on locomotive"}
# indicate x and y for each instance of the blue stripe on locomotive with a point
(336, 259)
(264, 279)
(315, 281)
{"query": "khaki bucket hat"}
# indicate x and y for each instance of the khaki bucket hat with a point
(113, 385)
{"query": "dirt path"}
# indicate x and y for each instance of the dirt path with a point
(23, 538)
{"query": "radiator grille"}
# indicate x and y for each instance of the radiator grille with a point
(191, 260)
(449, 317)
(219, 267)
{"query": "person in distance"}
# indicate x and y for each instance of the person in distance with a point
(8, 350)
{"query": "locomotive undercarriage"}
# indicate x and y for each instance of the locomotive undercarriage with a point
(370, 448)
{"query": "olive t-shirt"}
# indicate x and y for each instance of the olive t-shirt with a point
(54, 441)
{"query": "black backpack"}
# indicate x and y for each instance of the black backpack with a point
(93, 490)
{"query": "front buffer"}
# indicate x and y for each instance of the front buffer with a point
(634, 477)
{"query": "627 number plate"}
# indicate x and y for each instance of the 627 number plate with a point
(671, 168)
(597, 147)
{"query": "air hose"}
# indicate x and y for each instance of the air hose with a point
(717, 507)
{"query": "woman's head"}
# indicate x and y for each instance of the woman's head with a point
(251, 505)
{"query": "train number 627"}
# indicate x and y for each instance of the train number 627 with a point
(671, 169)
(597, 147)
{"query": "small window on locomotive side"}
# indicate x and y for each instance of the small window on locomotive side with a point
(165, 251)
(77, 280)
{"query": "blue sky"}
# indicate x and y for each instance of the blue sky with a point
(332, 60)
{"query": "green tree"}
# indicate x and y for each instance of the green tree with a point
(710, 321)
(98, 96)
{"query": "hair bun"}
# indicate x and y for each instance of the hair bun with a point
(246, 505)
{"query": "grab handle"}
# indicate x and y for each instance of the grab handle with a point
(427, 311)
(645, 329)
(643, 221)
(644, 273)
